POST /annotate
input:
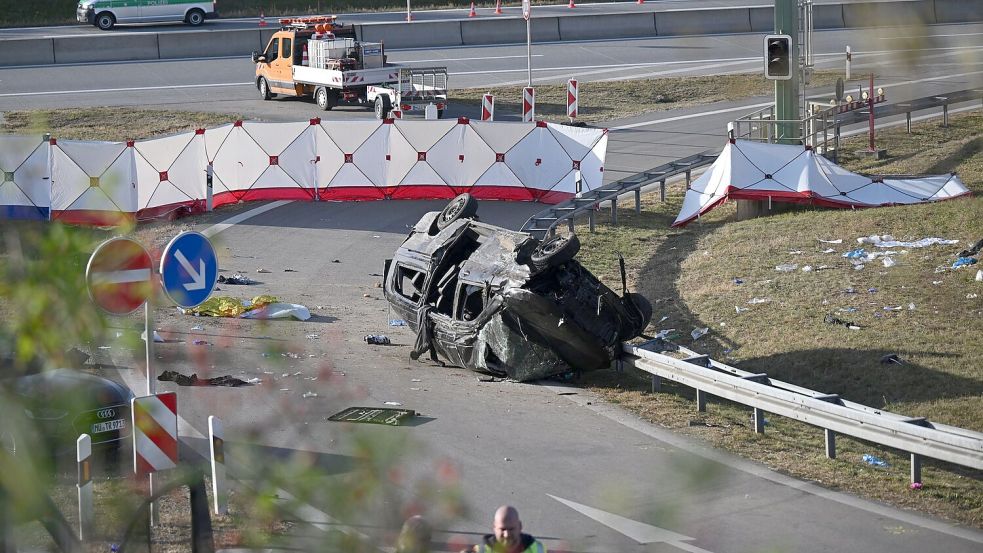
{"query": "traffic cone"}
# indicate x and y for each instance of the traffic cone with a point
(571, 5)
(303, 57)
(498, 7)
(473, 14)
(262, 19)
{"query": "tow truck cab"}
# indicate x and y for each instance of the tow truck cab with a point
(285, 50)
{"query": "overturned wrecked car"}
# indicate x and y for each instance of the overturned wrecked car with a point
(502, 302)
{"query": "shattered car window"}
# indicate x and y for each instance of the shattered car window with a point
(502, 302)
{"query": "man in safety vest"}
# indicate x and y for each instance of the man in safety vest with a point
(508, 536)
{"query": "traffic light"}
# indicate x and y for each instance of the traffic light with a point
(778, 57)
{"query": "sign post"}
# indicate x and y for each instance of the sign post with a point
(572, 96)
(154, 438)
(527, 15)
(488, 107)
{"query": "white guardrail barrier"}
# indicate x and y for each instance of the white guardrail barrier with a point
(914, 435)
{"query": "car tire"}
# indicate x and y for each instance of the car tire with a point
(264, 89)
(383, 106)
(324, 98)
(464, 206)
(555, 250)
(638, 306)
(440, 114)
(105, 21)
(195, 17)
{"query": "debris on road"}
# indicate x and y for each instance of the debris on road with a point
(193, 380)
(263, 271)
(397, 322)
(374, 415)
(377, 339)
(237, 279)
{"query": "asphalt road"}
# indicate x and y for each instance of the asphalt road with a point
(585, 476)
(512, 11)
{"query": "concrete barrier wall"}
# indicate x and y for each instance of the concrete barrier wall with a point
(509, 30)
(411, 35)
(27, 51)
(762, 19)
(887, 14)
(827, 16)
(703, 22)
(191, 44)
(620, 25)
(106, 47)
(958, 11)
(759, 19)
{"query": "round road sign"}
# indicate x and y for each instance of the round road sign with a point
(188, 269)
(119, 276)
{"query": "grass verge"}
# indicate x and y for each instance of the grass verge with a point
(689, 274)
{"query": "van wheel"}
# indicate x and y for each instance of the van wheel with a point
(195, 17)
(555, 250)
(464, 206)
(440, 114)
(383, 106)
(264, 89)
(105, 21)
(324, 98)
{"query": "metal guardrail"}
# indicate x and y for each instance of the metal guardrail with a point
(544, 223)
(915, 435)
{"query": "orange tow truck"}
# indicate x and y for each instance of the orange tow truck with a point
(306, 57)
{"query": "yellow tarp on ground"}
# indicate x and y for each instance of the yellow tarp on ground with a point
(226, 306)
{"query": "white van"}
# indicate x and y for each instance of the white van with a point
(107, 13)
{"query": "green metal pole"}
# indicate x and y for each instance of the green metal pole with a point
(787, 92)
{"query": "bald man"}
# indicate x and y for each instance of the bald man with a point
(508, 536)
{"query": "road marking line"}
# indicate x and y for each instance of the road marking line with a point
(228, 223)
(127, 89)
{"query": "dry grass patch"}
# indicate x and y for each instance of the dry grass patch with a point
(690, 277)
(605, 101)
(114, 124)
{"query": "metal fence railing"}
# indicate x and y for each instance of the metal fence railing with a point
(914, 435)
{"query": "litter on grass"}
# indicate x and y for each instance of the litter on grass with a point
(837, 241)
(979, 275)
(888, 262)
(754, 301)
(828, 250)
(892, 358)
(830, 319)
(699, 332)
(786, 267)
(888, 241)
(874, 460)
(964, 262)
(969, 252)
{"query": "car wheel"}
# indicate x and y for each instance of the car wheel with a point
(464, 206)
(105, 21)
(324, 98)
(264, 89)
(382, 106)
(640, 310)
(555, 250)
(195, 17)
(440, 114)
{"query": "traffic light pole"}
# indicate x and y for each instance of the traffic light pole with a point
(787, 92)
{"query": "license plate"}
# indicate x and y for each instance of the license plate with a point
(108, 426)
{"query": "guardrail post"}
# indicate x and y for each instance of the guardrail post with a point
(759, 421)
(590, 220)
(907, 117)
(638, 201)
(656, 384)
(570, 223)
(945, 115)
(662, 190)
(614, 211)
(701, 400)
(916, 468)
(688, 173)
(830, 443)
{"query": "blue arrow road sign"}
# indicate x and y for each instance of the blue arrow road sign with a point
(189, 269)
